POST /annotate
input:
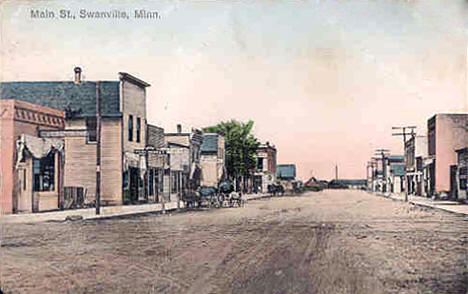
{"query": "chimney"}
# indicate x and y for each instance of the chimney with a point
(179, 128)
(77, 75)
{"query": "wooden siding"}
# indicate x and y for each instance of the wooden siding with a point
(134, 103)
(80, 161)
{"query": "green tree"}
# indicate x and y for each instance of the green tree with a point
(241, 146)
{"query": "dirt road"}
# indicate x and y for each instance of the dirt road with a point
(322, 242)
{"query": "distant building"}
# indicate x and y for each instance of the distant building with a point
(348, 184)
(462, 173)
(185, 154)
(286, 172)
(212, 161)
(416, 153)
(446, 133)
(31, 176)
(265, 172)
(286, 175)
(393, 182)
(157, 163)
(396, 178)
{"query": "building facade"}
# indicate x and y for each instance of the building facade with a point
(286, 175)
(185, 154)
(446, 133)
(212, 160)
(123, 132)
(416, 153)
(157, 160)
(462, 174)
(265, 172)
(32, 167)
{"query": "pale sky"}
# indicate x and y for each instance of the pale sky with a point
(323, 80)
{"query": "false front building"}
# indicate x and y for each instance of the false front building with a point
(212, 160)
(123, 131)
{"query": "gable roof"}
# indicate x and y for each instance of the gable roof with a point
(210, 143)
(63, 95)
(286, 171)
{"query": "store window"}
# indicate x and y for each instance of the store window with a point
(44, 173)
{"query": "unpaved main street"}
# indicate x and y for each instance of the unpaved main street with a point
(321, 242)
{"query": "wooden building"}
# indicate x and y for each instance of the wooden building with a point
(213, 152)
(123, 132)
(185, 153)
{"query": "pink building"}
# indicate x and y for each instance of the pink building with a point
(31, 170)
(446, 133)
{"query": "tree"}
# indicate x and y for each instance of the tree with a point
(241, 147)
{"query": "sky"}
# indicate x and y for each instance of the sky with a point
(324, 81)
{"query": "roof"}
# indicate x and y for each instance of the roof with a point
(286, 171)
(397, 169)
(210, 143)
(134, 79)
(65, 95)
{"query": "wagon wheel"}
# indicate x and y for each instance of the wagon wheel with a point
(216, 202)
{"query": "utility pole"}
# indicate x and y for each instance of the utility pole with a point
(98, 148)
(404, 134)
(336, 171)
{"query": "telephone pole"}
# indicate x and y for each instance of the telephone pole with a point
(404, 133)
(98, 148)
(336, 172)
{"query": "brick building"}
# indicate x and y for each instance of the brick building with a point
(446, 133)
(32, 169)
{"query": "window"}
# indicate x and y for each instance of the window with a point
(173, 182)
(44, 173)
(260, 164)
(130, 128)
(138, 129)
(24, 179)
(91, 126)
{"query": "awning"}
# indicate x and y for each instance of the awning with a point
(131, 160)
(38, 147)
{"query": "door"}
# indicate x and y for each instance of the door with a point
(134, 184)
(23, 195)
